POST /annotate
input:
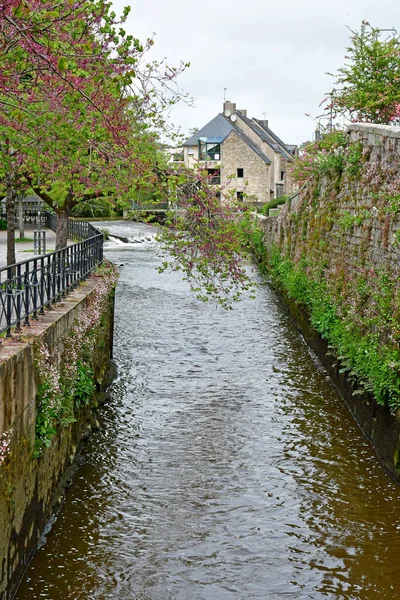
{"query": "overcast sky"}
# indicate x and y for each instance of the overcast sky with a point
(272, 56)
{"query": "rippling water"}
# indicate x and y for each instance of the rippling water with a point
(227, 466)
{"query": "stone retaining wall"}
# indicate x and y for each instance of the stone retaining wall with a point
(344, 226)
(28, 485)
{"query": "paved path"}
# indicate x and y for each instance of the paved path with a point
(24, 250)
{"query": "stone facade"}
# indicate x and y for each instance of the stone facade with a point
(236, 154)
(244, 144)
(29, 487)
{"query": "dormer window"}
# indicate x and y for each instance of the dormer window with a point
(209, 150)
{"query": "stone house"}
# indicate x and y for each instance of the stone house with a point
(243, 155)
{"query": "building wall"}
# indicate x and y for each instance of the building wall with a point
(29, 487)
(237, 154)
(268, 151)
(191, 156)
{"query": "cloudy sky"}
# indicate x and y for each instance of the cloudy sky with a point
(271, 55)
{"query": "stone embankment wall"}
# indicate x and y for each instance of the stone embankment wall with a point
(40, 430)
(352, 218)
(339, 240)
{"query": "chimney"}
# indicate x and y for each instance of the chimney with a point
(243, 111)
(264, 122)
(231, 106)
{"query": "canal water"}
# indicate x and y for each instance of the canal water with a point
(227, 466)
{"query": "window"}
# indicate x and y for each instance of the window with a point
(282, 175)
(209, 151)
(178, 157)
(240, 173)
(239, 196)
(214, 176)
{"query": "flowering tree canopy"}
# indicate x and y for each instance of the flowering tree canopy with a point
(367, 87)
(204, 240)
(79, 105)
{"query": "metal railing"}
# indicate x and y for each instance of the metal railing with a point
(28, 287)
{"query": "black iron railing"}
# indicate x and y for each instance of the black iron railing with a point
(28, 287)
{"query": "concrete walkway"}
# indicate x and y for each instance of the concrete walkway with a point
(24, 250)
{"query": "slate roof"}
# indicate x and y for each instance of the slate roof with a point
(291, 148)
(218, 127)
(258, 130)
(248, 141)
(30, 200)
(263, 125)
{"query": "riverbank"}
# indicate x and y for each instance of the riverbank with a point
(334, 251)
(48, 375)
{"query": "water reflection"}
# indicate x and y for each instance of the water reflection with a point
(227, 466)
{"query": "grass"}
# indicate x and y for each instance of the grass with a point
(23, 240)
(48, 251)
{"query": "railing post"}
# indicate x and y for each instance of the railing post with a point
(35, 289)
(49, 281)
(18, 297)
(42, 288)
(27, 294)
(9, 301)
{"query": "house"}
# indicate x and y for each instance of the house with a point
(243, 155)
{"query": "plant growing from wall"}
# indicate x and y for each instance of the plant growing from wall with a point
(5, 441)
(325, 156)
(66, 382)
(359, 319)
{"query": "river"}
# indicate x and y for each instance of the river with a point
(227, 466)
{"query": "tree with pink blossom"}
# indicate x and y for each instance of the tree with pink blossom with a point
(79, 103)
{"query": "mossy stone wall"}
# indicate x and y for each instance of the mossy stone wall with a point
(338, 242)
(28, 485)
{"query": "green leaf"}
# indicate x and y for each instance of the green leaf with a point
(62, 63)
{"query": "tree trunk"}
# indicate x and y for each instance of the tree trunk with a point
(21, 225)
(10, 211)
(62, 228)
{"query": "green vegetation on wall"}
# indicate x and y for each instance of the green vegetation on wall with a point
(66, 383)
(359, 316)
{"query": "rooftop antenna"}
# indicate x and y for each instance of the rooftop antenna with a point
(225, 94)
